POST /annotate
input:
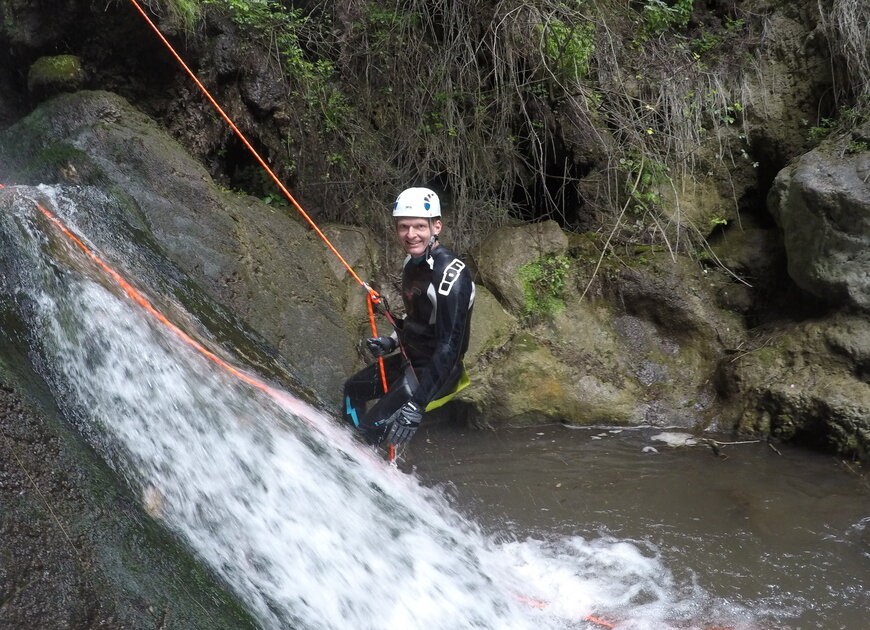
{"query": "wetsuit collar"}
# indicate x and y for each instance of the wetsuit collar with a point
(427, 254)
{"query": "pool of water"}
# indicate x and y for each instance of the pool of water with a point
(778, 530)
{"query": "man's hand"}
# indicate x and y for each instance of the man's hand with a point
(380, 346)
(403, 423)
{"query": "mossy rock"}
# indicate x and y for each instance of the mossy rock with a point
(51, 75)
(808, 385)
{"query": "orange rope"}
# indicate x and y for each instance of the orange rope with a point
(375, 332)
(374, 295)
(142, 301)
(275, 394)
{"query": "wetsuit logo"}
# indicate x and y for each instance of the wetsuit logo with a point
(451, 275)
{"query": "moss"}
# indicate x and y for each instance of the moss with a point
(62, 162)
(61, 72)
(543, 284)
(768, 356)
(525, 343)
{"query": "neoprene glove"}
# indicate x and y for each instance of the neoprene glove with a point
(380, 346)
(403, 423)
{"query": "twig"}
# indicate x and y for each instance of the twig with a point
(615, 228)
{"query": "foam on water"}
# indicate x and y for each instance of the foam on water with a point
(308, 527)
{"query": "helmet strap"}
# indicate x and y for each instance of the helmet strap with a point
(432, 240)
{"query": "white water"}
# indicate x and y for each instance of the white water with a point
(308, 528)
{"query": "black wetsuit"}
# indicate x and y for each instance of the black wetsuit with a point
(438, 295)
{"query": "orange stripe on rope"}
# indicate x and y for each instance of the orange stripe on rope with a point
(254, 152)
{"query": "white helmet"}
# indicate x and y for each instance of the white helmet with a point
(417, 202)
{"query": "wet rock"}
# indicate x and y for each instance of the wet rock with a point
(807, 382)
(530, 384)
(644, 349)
(75, 552)
(253, 258)
(491, 327)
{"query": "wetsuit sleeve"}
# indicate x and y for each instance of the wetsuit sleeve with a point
(454, 292)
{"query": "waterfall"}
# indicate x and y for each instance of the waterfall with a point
(307, 526)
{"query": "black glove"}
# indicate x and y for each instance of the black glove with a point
(402, 425)
(380, 346)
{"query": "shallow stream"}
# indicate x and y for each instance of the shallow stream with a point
(779, 531)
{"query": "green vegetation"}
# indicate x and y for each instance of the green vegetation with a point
(538, 109)
(57, 68)
(643, 180)
(568, 49)
(659, 16)
(184, 12)
(857, 146)
(543, 284)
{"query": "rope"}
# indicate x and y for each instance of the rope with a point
(372, 293)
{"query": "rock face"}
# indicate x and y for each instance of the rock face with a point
(655, 341)
(77, 549)
(250, 257)
(808, 382)
(642, 350)
(500, 257)
(822, 203)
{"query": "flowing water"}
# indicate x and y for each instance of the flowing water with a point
(313, 531)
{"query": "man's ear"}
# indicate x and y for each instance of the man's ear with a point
(436, 226)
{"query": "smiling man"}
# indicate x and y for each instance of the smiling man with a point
(438, 295)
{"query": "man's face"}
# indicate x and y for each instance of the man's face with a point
(414, 234)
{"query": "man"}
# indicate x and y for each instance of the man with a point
(438, 295)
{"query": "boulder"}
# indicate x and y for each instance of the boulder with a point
(822, 204)
(255, 259)
(808, 382)
(643, 351)
(501, 256)
(529, 384)
(52, 75)
(491, 328)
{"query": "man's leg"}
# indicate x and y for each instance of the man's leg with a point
(367, 385)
